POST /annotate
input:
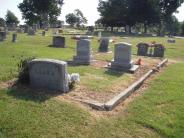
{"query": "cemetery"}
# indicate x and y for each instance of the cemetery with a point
(61, 80)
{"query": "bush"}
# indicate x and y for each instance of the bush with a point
(23, 69)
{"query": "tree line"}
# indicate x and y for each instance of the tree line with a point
(114, 13)
(122, 13)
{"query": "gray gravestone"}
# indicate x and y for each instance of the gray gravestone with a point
(122, 58)
(142, 49)
(59, 41)
(49, 74)
(158, 50)
(84, 56)
(14, 37)
(104, 45)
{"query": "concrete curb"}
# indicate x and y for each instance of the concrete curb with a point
(110, 105)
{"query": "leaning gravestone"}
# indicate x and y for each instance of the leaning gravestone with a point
(49, 74)
(14, 37)
(142, 49)
(158, 50)
(122, 58)
(104, 45)
(59, 41)
(84, 55)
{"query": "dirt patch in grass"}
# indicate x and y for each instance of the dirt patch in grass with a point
(7, 84)
(83, 92)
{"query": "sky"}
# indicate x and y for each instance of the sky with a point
(88, 7)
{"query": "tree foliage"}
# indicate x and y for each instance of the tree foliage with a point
(129, 12)
(71, 19)
(40, 10)
(11, 18)
(2, 22)
(76, 19)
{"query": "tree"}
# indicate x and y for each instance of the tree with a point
(2, 22)
(81, 19)
(11, 18)
(166, 9)
(129, 12)
(76, 19)
(71, 19)
(172, 25)
(34, 11)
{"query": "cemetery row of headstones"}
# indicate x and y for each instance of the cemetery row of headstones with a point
(153, 50)
(52, 74)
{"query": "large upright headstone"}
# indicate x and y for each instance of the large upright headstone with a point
(104, 45)
(122, 57)
(84, 55)
(59, 41)
(49, 74)
(142, 49)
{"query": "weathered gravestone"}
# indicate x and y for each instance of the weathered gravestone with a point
(49, 74)
(158, 50)
(122, 58)
(104, 45)
(84, 55)
(142, 49)
(59, 41)
(14, 37)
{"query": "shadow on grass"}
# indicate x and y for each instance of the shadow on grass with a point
(27, 93)
(52, 46)
(114, 73)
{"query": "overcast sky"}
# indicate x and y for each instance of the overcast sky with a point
(88, 7)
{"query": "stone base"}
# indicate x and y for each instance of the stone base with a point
(131, 68)
(103, 51)
(81, 60)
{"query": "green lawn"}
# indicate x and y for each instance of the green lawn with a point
(156, 113)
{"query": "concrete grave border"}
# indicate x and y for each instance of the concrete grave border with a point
(111, 104)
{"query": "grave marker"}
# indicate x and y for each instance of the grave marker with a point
(49, 74)
(84, 56)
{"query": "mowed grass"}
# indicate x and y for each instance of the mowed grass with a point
(40, 47)
(156, 113)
